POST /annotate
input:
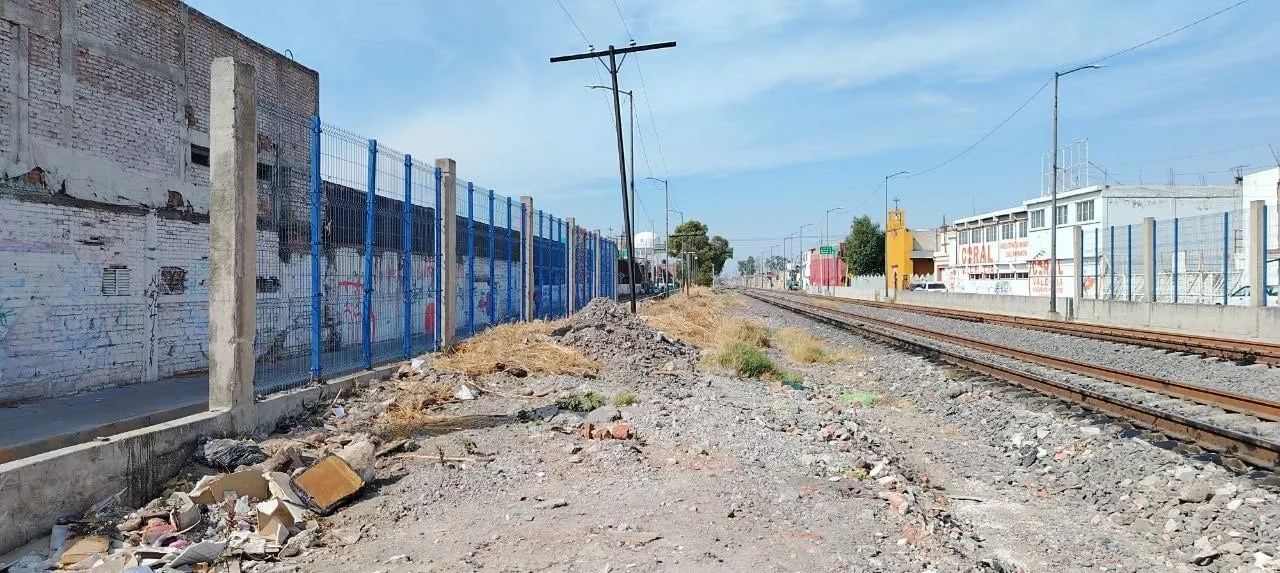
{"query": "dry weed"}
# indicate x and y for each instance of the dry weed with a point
(409, 411)
(804, 348)
(699, 318)
(522, 345)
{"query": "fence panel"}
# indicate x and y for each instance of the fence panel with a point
(425, 262)
(344, 171)
(282, 345)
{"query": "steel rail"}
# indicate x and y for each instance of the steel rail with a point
(1228, 348)
(1249, 448)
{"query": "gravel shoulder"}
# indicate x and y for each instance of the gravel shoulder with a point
(1061, 488)
(1255, 379)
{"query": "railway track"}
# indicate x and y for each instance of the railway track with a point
(1242, 426)
(1244, 351)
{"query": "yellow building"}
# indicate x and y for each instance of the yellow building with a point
(907, 252)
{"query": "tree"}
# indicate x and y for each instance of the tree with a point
(776, 263)
(864, 247)
(710, 254)
(747, 267)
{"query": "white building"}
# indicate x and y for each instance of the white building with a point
(1264, 186)
(1008, 251)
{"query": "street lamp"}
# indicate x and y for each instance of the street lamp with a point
(826, 220)
(1053, 203)
(666, 213)
(886, 229)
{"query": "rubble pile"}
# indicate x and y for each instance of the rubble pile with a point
(607, 331)
(256, 512)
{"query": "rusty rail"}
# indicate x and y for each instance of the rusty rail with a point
(1227, 348)
(1252, 449)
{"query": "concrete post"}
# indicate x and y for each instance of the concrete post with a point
(1077, 259)
(1256, 264)
(449, 248)
(1149, 258)
(573, 264)
(233, 233)
(527, 253)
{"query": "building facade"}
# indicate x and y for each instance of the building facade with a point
(1008, 251)
(104, 197)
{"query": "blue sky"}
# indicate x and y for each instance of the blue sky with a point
(769, 112)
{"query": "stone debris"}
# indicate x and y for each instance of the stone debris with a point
(607, 331)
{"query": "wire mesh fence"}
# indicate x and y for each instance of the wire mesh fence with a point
(1195, 260)
(282, 342)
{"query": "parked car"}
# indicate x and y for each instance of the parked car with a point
(933, 286)
(1241, 296)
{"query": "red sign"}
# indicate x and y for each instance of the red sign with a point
(1013, 251)
(976, 254)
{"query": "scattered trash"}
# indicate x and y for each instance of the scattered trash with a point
(862, 398)
(80, 549)
(360, 456)
(230, 454)
(327, 483)
(203, 552)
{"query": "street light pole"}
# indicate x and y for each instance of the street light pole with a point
(666, 215)
(1053, 202)
(886, 230)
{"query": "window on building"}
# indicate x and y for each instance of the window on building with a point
(962, 238)
(1084, 211)
(975, 236)
(991, 233)
(1037, 218)
(1060, 215)
(199, 155)
(1006, 231)
(173, 280)
(115, 280)
(1022, 229)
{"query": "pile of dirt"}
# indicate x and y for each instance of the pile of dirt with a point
(607, 331)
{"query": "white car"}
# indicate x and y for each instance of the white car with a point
(1241, 296)
(932, 286)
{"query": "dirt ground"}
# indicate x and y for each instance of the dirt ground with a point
(735, 474)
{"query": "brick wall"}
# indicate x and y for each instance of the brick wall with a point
(99, 110)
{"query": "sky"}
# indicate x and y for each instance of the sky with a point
(770, 112)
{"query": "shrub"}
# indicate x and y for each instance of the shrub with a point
(744, 359)
(624, 399)
(581, 401)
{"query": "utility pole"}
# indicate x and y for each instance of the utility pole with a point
(622, 158)
(1053, 209)
(886, 230)
(666, 210)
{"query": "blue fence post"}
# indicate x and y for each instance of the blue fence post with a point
(406, 275)
(493, 283)
(471, 259)
(511, 232)
(439, 256)
(538, 302)
(366, 321)
(1175, 260)
(315, 248)
(1129, 261)
(1111, 293)
(524, 260)
(1226, 256)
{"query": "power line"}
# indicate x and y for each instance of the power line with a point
(1195, 155)
(1050, 80)
(624, 21)
(575, 26)
(1166, 35)
(989, 133)
(657, 139)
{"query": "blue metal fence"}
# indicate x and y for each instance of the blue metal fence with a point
(358, 284)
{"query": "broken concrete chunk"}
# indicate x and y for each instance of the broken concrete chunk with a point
(203, 552)
(466, 391)
(360, 455)
(282, 490)
(274, 520)
(327, 483)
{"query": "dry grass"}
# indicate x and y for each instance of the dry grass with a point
(524, 345)
(409, 412)
(699, 318)
(804, 348)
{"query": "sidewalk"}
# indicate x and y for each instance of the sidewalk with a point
(40, 426)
